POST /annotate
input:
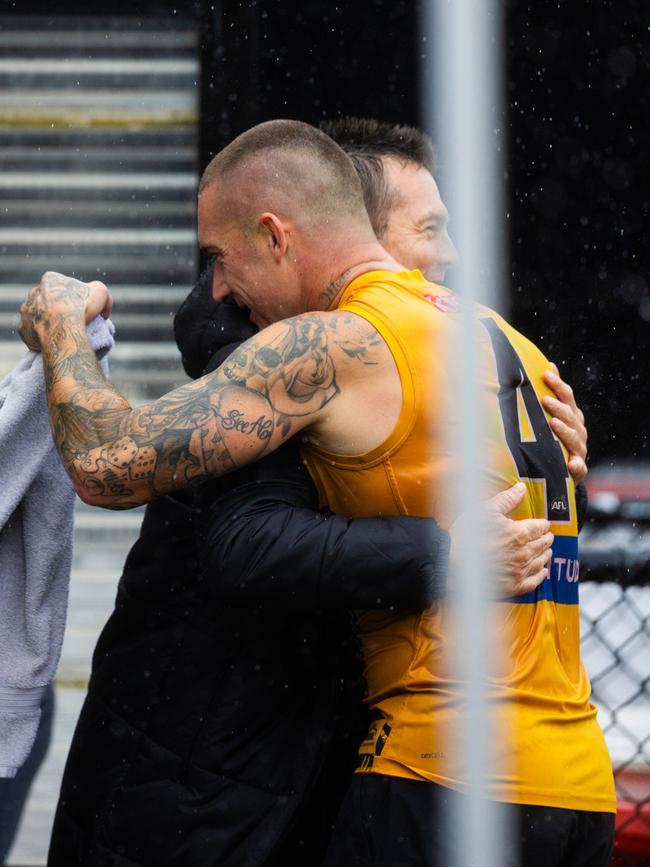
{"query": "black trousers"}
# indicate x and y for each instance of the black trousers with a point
(390, 822)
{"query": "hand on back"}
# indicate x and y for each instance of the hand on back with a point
(517, 552)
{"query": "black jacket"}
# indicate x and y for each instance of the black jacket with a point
(224, 709)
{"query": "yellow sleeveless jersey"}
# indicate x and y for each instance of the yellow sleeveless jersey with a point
(549, 748)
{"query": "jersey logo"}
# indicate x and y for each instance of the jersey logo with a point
(444, 303)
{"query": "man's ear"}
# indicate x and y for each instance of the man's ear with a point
(275, 234)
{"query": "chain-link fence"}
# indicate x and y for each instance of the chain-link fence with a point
(615, 612)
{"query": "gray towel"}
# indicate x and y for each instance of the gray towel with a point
(36, 521)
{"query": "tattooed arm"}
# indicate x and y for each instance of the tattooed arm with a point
(118, 456)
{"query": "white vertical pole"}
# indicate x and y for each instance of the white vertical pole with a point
(463, 106)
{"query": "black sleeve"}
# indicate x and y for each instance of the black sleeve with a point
(582, 501)
(262, 539)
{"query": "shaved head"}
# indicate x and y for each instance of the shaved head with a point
(281, 210)
(289, 168)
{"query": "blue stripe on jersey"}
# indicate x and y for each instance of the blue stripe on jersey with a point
(561, 586)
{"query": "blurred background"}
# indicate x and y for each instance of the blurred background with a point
(107, 116)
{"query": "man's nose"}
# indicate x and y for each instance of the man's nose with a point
(220, 289)
(450, 253)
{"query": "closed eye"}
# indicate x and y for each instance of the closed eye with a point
(214, 254)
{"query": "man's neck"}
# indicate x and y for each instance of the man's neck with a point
(369, 257)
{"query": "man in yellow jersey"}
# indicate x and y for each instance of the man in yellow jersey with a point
(282, 210)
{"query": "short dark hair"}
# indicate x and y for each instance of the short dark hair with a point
(366, 141)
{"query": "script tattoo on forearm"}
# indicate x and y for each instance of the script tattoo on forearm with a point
(262, 427)
(123, 456)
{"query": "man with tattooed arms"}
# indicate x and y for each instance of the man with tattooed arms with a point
(282, 212)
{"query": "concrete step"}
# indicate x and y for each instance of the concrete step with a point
(95, 240)
(94, 105)
(52, 68)
(98, 182)
(91, 31)
(94, 37)
(94, 193)
(98, 26)
(84, 138)
(71, 46)
(27, 213)
(173, 267)
(121, 158)
(51, 80)
(49, 74)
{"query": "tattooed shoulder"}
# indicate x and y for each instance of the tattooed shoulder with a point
(355, 337)
(290, 363)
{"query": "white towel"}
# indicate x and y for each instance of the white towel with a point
(36, 521)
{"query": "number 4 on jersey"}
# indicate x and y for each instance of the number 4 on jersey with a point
(537, 455)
